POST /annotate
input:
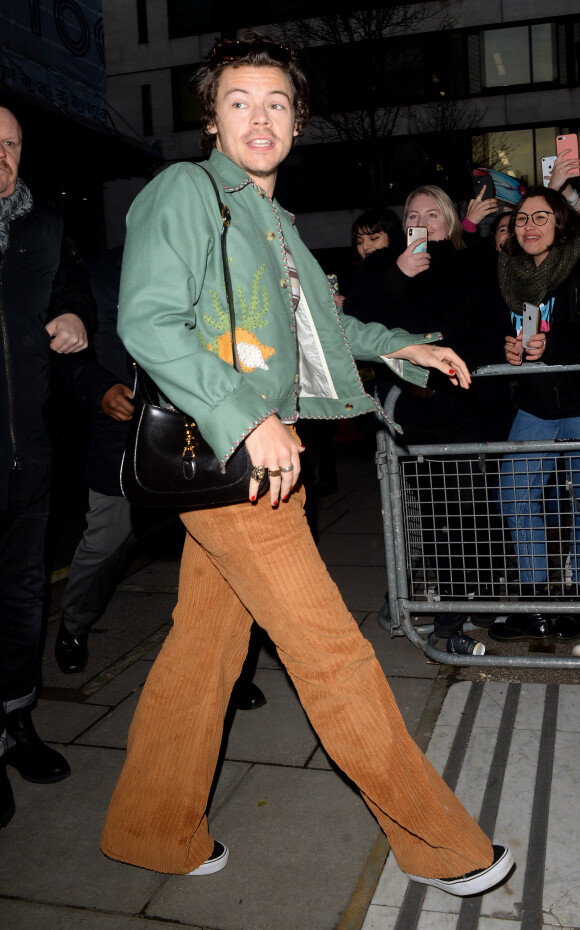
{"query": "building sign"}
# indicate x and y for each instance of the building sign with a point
(53, 49)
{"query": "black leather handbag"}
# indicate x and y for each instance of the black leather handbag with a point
(167, 462)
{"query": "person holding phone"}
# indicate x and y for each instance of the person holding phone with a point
(565, 173)
(481, 207)
(453, 290)
(540, 265)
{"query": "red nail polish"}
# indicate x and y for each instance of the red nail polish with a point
(252, 498)
(285, 498)
(451, 371)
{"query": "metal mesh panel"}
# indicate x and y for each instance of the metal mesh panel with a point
(471, 531)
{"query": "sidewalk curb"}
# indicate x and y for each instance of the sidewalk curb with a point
(356, 910)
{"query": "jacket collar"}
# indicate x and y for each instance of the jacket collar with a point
(234, 178)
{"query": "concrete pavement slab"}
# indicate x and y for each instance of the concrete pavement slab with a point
(398, 657)
(112, 729)
(342, 549)
(159, 574)
(278, 733)
(362, 587)
(295, 838)
(128, 621)
(362, 519)
(124, 684)
(49, 852)
(64, 721)
(20, 915)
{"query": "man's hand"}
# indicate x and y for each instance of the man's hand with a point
(411, 262)
(67, 334)
(117, 402)
(440, 357)
(479, 208)
(272, 445)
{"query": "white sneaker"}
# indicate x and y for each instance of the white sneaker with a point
(216, 862)
(474, 882)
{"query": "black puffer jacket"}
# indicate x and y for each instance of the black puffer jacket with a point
(91, 373)
(458, 295)
(555, 396)
(39, 280)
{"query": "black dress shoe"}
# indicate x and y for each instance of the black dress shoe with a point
(33, 759)
(445, 625)
(247, 696)
(71, 650)
(567, 627)
(522, 627)
(7, 806)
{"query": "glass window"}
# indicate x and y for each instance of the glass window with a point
(545, 146)
(543, 53)
(516, 152)
(185, 106)
(506, 56)
(519, 55)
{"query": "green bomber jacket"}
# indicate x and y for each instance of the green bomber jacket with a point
(174, 322)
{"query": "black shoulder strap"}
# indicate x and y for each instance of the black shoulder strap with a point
(226, 222)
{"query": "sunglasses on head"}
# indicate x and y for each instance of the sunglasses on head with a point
(233, 49)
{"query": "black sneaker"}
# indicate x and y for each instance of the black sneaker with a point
(216, 862)
(518, 627)
(474, 882)
(445, 625)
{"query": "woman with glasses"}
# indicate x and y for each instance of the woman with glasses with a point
(540, 265)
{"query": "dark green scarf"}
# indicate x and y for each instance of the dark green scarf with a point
(520, 279)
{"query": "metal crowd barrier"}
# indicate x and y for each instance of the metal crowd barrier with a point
(477, 526)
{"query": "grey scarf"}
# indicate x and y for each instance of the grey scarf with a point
(15, 205)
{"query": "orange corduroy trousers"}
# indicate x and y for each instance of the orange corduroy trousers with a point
(246, 562)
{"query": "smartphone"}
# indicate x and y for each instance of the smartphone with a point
(485, 183)
(567, 142)
(414, 233)
(530, 323)
(547, 168)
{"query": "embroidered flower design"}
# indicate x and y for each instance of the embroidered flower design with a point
(251, 352)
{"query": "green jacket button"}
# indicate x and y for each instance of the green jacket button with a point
(348, 406)
(283, 283)
(270, 236)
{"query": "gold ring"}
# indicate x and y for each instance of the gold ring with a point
(258, 472)
(287, 468)
(274, 472)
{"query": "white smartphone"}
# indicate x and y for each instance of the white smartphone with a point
(414, 233)
(530, 323)
(547, 168)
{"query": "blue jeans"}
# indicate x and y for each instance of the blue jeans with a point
(522, 483)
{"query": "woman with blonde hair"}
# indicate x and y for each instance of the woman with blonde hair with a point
(431, 207)
(451, 289)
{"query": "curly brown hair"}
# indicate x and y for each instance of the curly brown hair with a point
(256, 50)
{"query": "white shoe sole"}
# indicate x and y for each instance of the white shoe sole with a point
(474, 882)
(212, 865)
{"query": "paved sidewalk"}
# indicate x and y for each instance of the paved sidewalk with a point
(305, 852)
